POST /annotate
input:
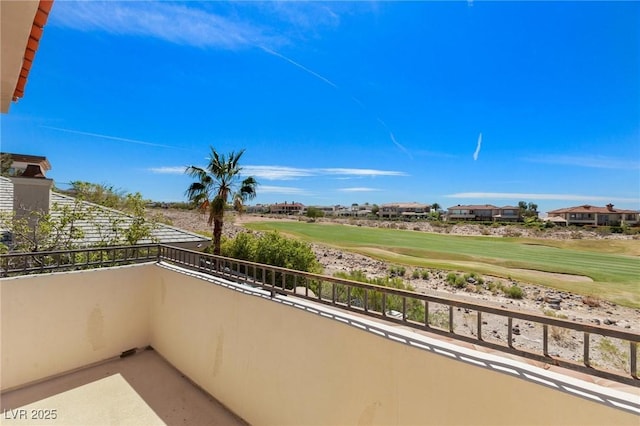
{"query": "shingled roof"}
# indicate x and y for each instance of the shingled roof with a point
(100, 227)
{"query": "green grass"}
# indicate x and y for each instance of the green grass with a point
(613, 265)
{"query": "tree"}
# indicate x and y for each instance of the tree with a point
(217, 185)
(435, 206)
(5, 164)
(528, 210)
(314, 212)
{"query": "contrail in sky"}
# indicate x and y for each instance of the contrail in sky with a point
(335, 86)
(302, 67)
(475, 154)
(113, 138)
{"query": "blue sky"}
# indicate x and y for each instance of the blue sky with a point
(343, 102)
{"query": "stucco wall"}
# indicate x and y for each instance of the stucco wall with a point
(58, 322)
(277, 365)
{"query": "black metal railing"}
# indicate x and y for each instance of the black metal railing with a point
(71, 260)
(457, 319)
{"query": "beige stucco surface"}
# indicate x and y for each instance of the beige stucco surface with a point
(110, 400)
(58, 322)
(276, 364)
(269, 363)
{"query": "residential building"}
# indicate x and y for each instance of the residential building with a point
(484, 212)
(596, 216)
(292, 208)
(31, 191)
(480, 212)
(403, 210)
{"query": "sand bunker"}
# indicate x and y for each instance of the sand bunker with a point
(563, 277)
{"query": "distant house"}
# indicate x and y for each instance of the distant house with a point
(355, 210)
(597, 216)
(405, 210)
(484, 212)
(286, 208)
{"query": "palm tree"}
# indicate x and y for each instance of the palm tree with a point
(216, 186)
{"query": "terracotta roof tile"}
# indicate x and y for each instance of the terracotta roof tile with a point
(40, 19)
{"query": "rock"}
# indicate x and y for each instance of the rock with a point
(555, 306)
(596, 321)
(516, 330)
(608, 321)
(553, 300)
(471, 280)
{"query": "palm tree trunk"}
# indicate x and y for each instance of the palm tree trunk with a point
(217, 235)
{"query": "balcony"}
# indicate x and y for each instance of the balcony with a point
(273, 346)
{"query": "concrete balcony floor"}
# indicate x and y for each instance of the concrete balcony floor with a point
(141, 389)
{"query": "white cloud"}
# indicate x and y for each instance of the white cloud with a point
(285, 190)
(177, 23)
(291, 173)
(521, 196)
(168, 170)
(591, 161)
(276, 172)
(361, 172)
(358, 189)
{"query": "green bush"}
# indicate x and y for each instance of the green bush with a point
(275, 250)
(513, 292)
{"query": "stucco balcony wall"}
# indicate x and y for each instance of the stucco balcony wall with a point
(283, 361)
(54, 323)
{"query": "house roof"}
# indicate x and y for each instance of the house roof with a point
(474, 207)
(587, 208)
(287, 205)
(404, 205)
(22, 27)
(100, 227)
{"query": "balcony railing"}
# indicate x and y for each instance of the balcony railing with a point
(461, 320)
(71, 260)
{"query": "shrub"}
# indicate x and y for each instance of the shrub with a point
(424, 274)
(397, 271)
(451, 278)
(514, 292)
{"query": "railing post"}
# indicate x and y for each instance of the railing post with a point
(426, 313)
(510, 331)
(384, 304)
(585, 345)
(479, 327)
(633, 359)
(404, 308)
(545, 339)
(451, 318)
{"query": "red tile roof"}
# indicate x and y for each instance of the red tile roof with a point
(32, 46)
(587, 208)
